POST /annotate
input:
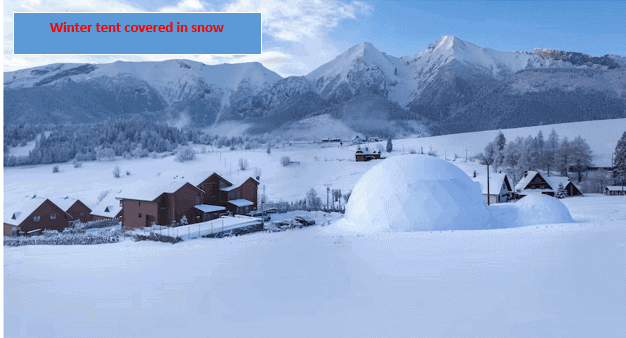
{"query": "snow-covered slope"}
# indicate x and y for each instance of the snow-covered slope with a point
(174, 79)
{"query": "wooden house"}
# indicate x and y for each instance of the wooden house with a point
(161, 201)
(363, 155)
(76, 209)
(535, 182)
(499, 189)
(615, 190)
(35, 215)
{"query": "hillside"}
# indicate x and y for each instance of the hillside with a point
(319, 164)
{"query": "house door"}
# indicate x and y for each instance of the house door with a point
(149, 220)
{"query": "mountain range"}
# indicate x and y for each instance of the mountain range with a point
(451, 86)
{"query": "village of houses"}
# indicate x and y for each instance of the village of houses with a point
(192, 196)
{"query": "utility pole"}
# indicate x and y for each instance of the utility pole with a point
(488, 195)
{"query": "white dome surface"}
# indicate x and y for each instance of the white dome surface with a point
(415, 193)
(541, 209)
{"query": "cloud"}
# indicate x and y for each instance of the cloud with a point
(296, 31)
(187, 6)
(288, 20)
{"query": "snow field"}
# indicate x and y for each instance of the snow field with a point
(534, 281)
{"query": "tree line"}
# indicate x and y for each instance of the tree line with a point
(136, 136)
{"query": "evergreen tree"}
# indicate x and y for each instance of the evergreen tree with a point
(560, 192)
(389, 145)
(500, 143)
(619, 159)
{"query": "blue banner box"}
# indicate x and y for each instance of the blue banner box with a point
(137, 33)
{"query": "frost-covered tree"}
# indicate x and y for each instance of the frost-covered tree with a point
(389, 145)
(562, 157)
(183, 220)
(580, 156)
(116, 172)
(512, 153)
(500, 143)
(550, 150)
(269, 150)
(285, 161)
(539, 145)
(185, 154)
(312, 200)
(55, 169)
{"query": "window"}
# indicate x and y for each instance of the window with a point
(139, 215)
(53, 216)
(82, 213)
(36, 218)
(139, 202)
(197, 200)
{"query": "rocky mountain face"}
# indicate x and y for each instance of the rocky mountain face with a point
(451, 86)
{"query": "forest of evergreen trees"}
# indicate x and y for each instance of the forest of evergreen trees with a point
(552, 155)
(136, 136)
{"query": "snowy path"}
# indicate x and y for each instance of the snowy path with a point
(564, 280)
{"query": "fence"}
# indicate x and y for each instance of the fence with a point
(285, 207)
(197, 230)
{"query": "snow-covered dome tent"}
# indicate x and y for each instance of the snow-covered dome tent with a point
(536, 209)
(415, 193)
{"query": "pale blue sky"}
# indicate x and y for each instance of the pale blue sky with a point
(301, 35)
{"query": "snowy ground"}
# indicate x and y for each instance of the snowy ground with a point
(562, 280)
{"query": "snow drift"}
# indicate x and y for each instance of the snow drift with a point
(534, 209)
(413, 193)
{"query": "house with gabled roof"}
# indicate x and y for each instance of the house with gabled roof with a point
(219, 191)
(108, 208)
(535, 182)
(615, 190)
(33, 216)
(499, 189)
(161, 201)
(73, 207)
(364, 154)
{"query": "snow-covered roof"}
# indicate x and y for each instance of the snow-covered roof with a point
(525, 180)
(65, 202)
(553, 182)
(149, 190)
(22, 211)
(108, 207)
(495, 183)
(195, 178)
(209, 208)
(366, 151)
(241, 202)
(615, 188)
(238, 183)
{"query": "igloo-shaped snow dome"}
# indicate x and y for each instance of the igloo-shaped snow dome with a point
(415, 193)
(541, 209)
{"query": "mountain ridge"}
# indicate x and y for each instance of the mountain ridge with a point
(442, 88)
